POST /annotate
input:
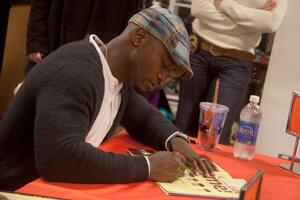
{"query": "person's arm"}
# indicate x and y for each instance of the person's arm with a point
(145, 123)
(37, 30)
(208, 14)
(148, 125)
(260, 20)
(64, 112)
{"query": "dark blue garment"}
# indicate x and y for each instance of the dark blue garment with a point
(234, 75)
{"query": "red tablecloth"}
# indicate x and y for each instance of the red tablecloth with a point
(277, 183)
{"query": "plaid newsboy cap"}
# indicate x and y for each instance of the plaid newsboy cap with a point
(170, 30)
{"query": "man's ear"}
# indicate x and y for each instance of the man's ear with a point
(138, 36)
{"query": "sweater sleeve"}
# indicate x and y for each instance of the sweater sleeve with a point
(145, 123)
(208, 14)
(64, 110)
(37, 29)
(256, 20)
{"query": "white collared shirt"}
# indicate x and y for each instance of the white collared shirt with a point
(111, 100)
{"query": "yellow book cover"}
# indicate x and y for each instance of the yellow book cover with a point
(219, 186)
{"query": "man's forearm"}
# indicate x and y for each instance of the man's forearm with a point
(253, 19)
(207, 13)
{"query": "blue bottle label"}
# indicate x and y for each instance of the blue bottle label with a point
(247, 133)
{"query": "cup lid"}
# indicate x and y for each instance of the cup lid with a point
(210, 106)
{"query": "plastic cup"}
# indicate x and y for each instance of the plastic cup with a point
(211, 122)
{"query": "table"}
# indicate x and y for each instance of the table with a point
(277, 183)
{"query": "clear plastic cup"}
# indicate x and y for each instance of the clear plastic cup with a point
(211, 122)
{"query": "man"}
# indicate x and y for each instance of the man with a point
(227, 32)
(75, 98)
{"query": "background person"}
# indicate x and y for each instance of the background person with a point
(54, 23)
(226, 31)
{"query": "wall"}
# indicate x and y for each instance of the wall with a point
(14, 55)
(283, 77)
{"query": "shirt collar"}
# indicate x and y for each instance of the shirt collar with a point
(94, 39)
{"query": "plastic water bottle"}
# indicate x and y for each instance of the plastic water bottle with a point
(250, 117)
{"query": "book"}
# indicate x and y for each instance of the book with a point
(140, 152)
(251, 190)
(222, 185)
(19, 196)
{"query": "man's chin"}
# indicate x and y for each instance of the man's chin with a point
(141, 89)
(144, 89)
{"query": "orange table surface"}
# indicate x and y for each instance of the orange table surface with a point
(277, 183)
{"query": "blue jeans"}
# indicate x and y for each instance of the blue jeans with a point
(234, 75)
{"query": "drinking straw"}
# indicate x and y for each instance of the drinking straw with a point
(216, 94)
(215, 102)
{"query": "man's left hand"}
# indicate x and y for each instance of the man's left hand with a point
(197, 163)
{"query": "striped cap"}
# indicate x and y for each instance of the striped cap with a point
(170, 30)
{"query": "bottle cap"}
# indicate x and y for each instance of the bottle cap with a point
(254, 99)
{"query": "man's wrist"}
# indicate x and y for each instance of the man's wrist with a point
(177, 136)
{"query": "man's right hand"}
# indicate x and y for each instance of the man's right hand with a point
(270, 5)
(36, 56)
(166, 166)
